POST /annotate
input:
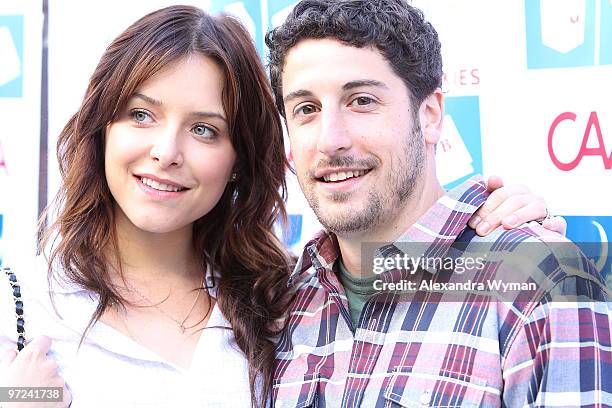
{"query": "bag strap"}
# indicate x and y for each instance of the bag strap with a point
(12, 278)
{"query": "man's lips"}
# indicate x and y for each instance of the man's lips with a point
(339, 175)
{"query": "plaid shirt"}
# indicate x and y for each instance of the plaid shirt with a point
(431, 352)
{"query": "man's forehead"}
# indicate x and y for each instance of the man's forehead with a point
(314, 62)
(326, 45)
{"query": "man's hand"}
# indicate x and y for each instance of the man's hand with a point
(512, 206)
(32, 368)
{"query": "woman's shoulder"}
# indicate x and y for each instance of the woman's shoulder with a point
(21, 283)
(18, 281)
(40, 279)
(31, 274)
(49, 305)
(11, 306)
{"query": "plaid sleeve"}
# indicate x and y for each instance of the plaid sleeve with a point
(561, 355)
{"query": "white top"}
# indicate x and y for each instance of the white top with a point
(110, 369)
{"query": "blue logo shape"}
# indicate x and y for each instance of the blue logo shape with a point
(465, 113)
(562, 34)
(11, 56)
(592, 234)
(294, 231)
(278, 11)
(605, 53)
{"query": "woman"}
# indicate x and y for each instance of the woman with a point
(172, 168)
(164, 272)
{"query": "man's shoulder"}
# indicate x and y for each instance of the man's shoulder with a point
(555, 264)
(530, 232)
(550, 282)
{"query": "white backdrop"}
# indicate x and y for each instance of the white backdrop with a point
(20, 76)
(513, 69)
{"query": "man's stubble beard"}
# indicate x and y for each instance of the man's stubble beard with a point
(383, 203)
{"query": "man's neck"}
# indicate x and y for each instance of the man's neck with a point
(417, 205)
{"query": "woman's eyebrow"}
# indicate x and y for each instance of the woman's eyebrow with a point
(155, 102)
(148, 99)
(207, 114)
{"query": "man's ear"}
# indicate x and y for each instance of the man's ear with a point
(431, 115)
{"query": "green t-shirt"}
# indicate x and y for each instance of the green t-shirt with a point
(358, 290)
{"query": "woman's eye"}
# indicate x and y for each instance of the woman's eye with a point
(141, 116)
(203, 131)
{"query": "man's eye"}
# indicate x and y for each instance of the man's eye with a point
(362, 100)
(203, 131)
(141, 116)
(306, 110)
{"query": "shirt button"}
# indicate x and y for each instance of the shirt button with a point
(425, 398)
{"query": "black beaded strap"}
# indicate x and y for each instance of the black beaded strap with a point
(18, 307)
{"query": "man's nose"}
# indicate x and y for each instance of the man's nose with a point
(334, 137)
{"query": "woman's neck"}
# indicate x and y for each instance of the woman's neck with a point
(161, 257)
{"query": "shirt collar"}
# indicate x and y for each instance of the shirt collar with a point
(440, 226)
(436, 230)
(61, 284)
(75, 306)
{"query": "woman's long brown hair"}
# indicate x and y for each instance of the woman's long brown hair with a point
(236, 237)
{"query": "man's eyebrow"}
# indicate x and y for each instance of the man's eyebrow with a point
(199, 114)
(348, 86)
(363, 82)
(297, 94)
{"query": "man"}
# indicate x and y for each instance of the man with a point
(358, 83)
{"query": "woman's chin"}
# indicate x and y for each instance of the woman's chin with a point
(151, 225)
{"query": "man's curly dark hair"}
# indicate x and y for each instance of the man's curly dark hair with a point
(398, 30)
